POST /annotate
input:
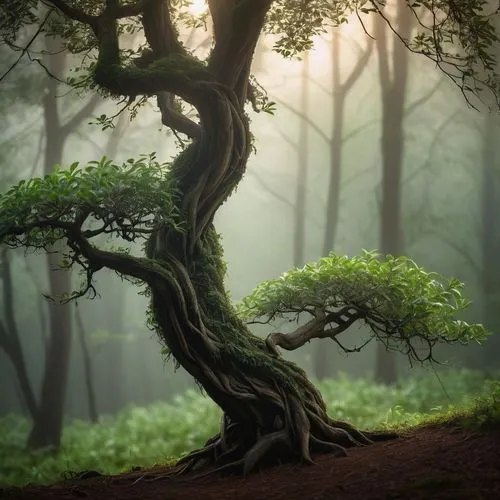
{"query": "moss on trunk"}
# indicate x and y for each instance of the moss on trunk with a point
(271, 409)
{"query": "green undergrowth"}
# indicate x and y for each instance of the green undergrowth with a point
(145, 436)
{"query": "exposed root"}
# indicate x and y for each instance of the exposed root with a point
(261, 448)
(234, 450)
(272, 412)
(325, 446)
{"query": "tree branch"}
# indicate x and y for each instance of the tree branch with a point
(271, 191)
(114, 11)
(162, 37)
(80, 115)
(25, 49)
(423, 99)
(237, 27)
(314, 328)
(144, 269)
(359, 66)
(302, 116)
(174, 119)
(73, 13)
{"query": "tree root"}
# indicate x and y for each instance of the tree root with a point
(231, 451)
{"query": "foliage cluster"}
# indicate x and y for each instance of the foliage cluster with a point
(125, 200)
(142, 436)
(406, 307)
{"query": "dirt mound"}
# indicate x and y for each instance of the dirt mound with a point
(431, 463)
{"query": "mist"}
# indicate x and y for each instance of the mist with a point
(365, 146)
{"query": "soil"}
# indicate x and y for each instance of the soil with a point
(428, 463)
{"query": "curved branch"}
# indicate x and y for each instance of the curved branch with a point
(162, 37)
(179, 74)
(313, 329)
(115, 11)
(159, 29)
(304, 117)
(144, 269)
(73, 12)
(174, 119)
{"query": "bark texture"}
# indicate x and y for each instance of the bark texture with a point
(271, 410)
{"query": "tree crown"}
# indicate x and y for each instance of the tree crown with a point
(406, 308)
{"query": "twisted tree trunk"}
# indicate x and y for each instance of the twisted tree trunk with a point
(269, 404)
(271, 410)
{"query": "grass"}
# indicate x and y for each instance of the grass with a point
(145, 436)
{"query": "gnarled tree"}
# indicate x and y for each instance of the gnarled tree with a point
(270, 407)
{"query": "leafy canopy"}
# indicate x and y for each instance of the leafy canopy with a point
(100, 198)
(405, 307)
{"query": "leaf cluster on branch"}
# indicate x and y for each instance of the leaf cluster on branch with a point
(100, 198)
(406, 308)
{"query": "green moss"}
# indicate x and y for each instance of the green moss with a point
(239, 348)
(180, 69)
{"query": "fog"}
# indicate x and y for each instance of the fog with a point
(447, 154)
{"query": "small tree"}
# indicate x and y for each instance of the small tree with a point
(270, 407)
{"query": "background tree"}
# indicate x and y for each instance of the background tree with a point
(48, 412)
(338, 92)
(394, 70)
(47, 427)
(490, 234)
(10, 340)
(393, 80)
(299, 235)
(270, 407)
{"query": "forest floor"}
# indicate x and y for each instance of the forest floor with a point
(433, 462)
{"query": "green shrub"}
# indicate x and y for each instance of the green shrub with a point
(143, 436)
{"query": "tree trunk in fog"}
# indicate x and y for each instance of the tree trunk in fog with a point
(87, 366)
(47, 427)
(490, 240)
(303, 156)
(10, 341)
(393, 83)
(324, 351)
